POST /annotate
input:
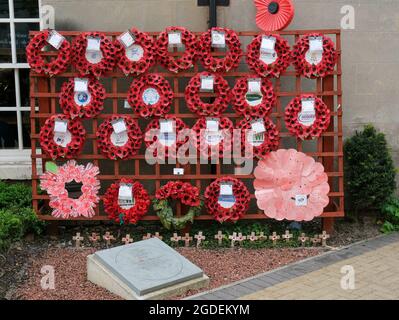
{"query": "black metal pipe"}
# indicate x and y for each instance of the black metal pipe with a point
(213, 18)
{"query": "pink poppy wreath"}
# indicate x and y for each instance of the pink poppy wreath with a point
(291, 185)
(63, 206)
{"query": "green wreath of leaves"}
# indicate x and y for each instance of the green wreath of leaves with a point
(167, 218)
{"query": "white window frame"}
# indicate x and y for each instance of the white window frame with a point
(16, 163)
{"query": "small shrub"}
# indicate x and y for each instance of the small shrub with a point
(15, 195)
(390, 211)
(11, 228)
(369, 171)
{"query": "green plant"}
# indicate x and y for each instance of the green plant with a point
(369, 170)
(390, 211)
(11, 229)
(15, 195)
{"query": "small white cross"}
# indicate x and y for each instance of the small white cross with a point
(315, 240)
(262, 236)
(287, 236)
(77, 239)
(127, 239)
(274, 237)
(303, 238)
(252, 237)
(199, 238)
(176, 238)
(94, 237)
(148, 236)
(233, 239)
(219, 236)
(187, 239)
(108, 237)
(324, 236)
(156, 235)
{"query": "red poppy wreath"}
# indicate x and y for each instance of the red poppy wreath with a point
(36, 61)
(259, 136)
(120, 210)
(307, 124)
(231, 41)
(220, 88)
(180, 36)
(271, 62)
(188, 195)
(227, 206)
(93, 53)
(150, 96)
(165, 143)
(136, 52)
(119, 137)
(83, 104)
(274, 15)
(213, 143)
(66, 142)
(315, 62)
(253, 97)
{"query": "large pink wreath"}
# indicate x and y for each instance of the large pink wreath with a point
(63, 206)
(285, 175)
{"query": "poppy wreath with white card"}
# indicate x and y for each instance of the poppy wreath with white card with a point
(119, 137)
(176, 37)
(82, 97)
(93, 53)
(57, 64)
(150, 96)
(128, 205)
(227, 199)
(167, 142)
(253, 97)
(259, 135)
(219, 86)
(314, 56)
(136, 52)
(62, 137)
(228, 39)
(307, 116)
(271, 60)
(213, 143)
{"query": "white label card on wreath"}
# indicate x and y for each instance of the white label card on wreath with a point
(254, 85)
(127, 39)
(226, 189)
(301, 200)
(268, 44)
(178, 171)
(226, 197)
(126, 104)
(307, 116)
(166, 125)
(207, 84)
(125, 195)
(258, 126)
(81, 84)
(218, 39)
(316, 44)
(60, 126)
(119, 126)
(93, 44)
(174, 39)
(55, 39)
(212, 124)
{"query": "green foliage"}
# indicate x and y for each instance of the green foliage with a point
(390, 211)
(369, 170)
(11, 228)
(15, 195)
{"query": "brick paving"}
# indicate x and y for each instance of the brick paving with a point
(375, 264)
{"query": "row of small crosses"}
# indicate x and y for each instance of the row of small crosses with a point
(235, 237)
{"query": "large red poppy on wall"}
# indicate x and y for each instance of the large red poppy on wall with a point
(274, 15)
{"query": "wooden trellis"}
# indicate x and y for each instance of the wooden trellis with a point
(44, 95)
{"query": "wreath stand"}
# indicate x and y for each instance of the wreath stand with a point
(328, 149)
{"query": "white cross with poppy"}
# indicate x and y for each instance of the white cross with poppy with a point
(252, 237)
(287, 236)
(77, 238)
(187, 239)
(127, 239)
(108, 237)
(274, 237)
(199, 238)
(219, 237)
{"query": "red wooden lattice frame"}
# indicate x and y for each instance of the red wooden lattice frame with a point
(328, 149)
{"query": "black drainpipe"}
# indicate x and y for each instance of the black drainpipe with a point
(213, 4)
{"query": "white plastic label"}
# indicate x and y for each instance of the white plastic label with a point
(166, 126)
(119, 139)
(254, 85)
(174, 38)
(55, 39)
(258, 126)
(125, 196)
(301, 200)
(307, 116)
(127, 39)
(81, 84)
(212, 124)
(226, 189)
(268, 44)
(93, 44)
(207, 83)
(60, 126)
(218, 39)
(316, 44)
(226, 197)
(119, 126)
(178, 171)
(126, 104)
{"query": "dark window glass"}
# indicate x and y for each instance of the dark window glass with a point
(5, 43)
(26, 8)
(8, 130)
(24, 87)
(26, 129)
(22, 38)
(7, 88)
(4, 9)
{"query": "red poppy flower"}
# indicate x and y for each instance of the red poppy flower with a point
(274, 15)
